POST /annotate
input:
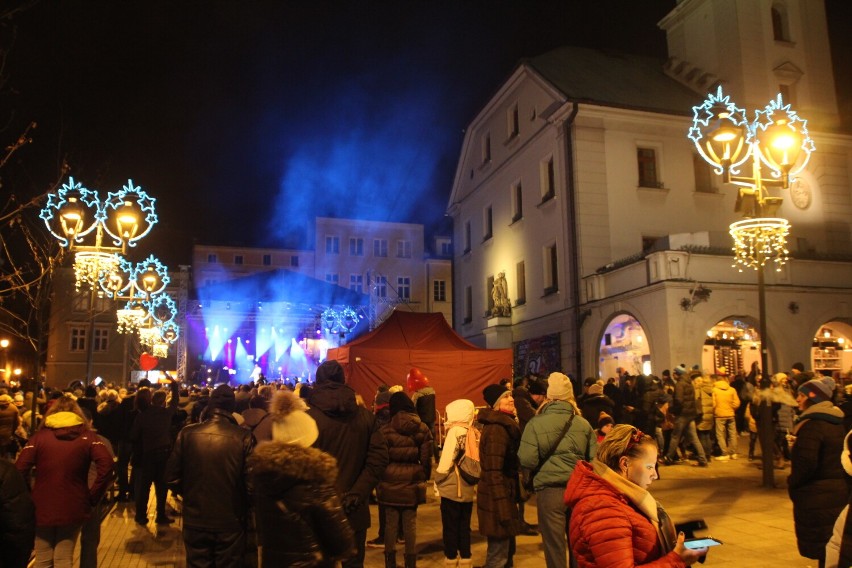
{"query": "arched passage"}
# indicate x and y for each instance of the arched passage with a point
(624, 344)
(831, 352)
(731, 346)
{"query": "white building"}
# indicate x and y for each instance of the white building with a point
(577, 180)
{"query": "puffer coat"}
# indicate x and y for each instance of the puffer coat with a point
(497, 492)
(300, 521)
(409, 443)
(704, 396)
(448, 480)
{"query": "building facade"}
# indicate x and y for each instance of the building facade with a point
(578, 182)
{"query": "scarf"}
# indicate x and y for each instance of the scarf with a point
(644, 502)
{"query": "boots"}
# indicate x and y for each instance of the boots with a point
(451, 561)
(465, 562)
(390, 559)
(410, 561)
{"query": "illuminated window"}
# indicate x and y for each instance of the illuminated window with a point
(356, 282)
(521, 277)
(381, 287)
(468, 304)
(267, 260)
(551, 270)
(487, 223)
(403, 287)
(439, 290)
(100, 340)
(517, 197)
(380, 247)
(403, 249)
(212, 258)
(78, 339)
(294, 261)
(238, 259)
(646, 159)
(332, 278)
(512, 121)
(356, 247)
(548, 180)
(332, 245)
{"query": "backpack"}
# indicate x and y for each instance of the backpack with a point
(467, 461)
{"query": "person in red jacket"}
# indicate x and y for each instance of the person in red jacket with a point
(61, 451)
(615, 522)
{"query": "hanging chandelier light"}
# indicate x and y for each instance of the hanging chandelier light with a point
(758, 241)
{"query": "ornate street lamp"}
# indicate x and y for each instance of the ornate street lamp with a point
(777, 146)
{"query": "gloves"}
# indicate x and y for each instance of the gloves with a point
(351, 502)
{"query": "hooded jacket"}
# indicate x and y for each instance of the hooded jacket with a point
(704, 402)
(450, 483)
(409, 443)
(817, 483)
(300, 521)
(725, 399)
(61, 452)
(615, 523)
(349, 433)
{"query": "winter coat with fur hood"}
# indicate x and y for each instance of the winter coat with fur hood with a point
(300, 521)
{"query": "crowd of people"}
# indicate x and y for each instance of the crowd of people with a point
(284, 475)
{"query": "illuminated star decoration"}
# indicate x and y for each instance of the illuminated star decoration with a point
(765, 118)
(55, 202)
(145, 202)
(708, 111)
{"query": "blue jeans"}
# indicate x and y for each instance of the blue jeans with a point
(497, 553)
(684, 427)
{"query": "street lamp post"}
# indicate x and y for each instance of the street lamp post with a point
(776, 147)
(4, 347)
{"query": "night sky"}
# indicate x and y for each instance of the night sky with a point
(248, 119)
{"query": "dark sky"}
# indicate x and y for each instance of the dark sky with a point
(247, 119)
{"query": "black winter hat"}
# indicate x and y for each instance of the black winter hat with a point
(222, 397)
(330, 372)
(493, 393)
(399, 402)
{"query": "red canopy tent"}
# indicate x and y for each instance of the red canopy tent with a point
(455, 367)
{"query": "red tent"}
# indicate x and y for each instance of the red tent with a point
(455, 367)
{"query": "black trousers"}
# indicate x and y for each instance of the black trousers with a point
(357, 561)
(455, 517)
(152, 469)
(214, 549)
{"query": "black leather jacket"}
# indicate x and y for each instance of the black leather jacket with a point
(208, 468)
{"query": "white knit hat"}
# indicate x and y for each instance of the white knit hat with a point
(559, 387)
(290, 423)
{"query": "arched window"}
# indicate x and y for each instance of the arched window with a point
(780, 23)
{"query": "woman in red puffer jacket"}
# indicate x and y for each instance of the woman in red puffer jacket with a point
(615, 522)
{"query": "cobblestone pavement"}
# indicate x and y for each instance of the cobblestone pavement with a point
(754, 523)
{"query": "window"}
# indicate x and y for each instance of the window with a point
(446, 248)
(332, 245)
(548, 180)
(521, 278)
(332, 278)
(487, 223)
(512, 121)
(780, 23)
(381, 287)
(551, 268)
(356, 247)
(486, 148)
(517, 197)
(100, 339)
(646, 159)
(489, 286)
(267, 260)
(439, 290)
(466, 237)
(648, 243)
(703, 175)
(294, 261)
(78, 339)
(468, 304)
(212, 258)
(788, 94)
(380, 247)
(403, 249)
(356, 282)
(238, 259)
(403, 287)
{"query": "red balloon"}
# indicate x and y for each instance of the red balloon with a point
(147, 362)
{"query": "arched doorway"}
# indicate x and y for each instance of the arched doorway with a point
(831, 352)
(731, 346)
(624, 344)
